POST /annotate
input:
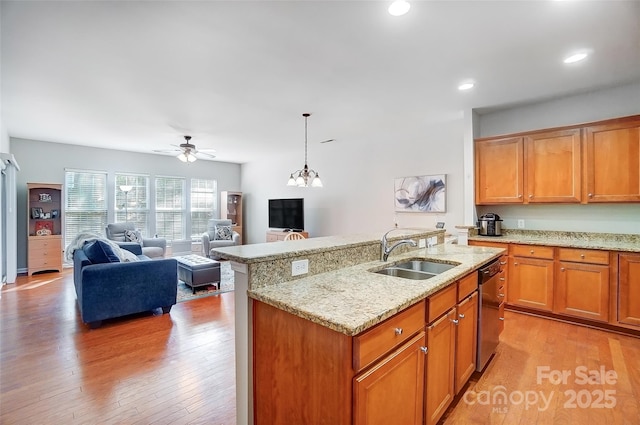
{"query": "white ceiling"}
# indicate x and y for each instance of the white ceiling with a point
(237, 75)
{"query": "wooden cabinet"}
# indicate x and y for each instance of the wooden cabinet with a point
(582, 284)
(466, 338)
(612, 161)
(441, 342)
(629, 289)
(531, 277)
(553, 163)
(499, 171)
(231, 208)
(537, 167)
(596, 162)
(275, 236)
(44, 209)
(392, 391)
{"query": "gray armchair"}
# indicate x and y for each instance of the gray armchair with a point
(209, 240)
(151, 247)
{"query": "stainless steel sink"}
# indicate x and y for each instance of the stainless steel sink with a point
(425, 266)
(405, 273)
(416, 269)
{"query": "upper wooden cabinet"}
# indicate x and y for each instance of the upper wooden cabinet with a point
(612, 161)
(499, 171)
(597, 162)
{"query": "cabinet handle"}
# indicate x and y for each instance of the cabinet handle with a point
(581, 255)
(461, 316)
(590, 195)
(425, 350)
(502, 263)
(502, 318)
(530, 196)
(455, 321)
(515, 264)
(502, 279)
(531, 251)
(519, 196)
(500, 295)
(561, 269)
(398, 331)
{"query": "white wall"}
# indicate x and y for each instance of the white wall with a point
(358, 176)
(43, 162)
(593, 106)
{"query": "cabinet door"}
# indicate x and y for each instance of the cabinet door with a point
(499, 171)
(553, 164)
(531, 283)
(466, 340)
(582, 290)
(629, 289)
(613, 162)
(392, 391)
(441, 340)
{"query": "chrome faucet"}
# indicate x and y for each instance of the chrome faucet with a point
(385, 250)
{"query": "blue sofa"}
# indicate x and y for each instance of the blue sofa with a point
(108, 288)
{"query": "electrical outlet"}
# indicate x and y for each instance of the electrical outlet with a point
(520, 224)
(422, 243)
(299, 267)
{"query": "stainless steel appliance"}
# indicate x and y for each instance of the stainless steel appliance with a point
(489, 315)
(490, 224)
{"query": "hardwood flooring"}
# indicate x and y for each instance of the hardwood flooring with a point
(178, 368)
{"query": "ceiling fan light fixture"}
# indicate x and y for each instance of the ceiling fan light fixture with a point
(305, 177)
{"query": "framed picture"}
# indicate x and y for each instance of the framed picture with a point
(44, 197)
(55, 213)
(36, 212)
(44, 228)
(420, 194)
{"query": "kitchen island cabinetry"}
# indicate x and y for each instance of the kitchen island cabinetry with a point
(612, 161)
(629, 290)
(582, 284)
(466, 339)
(531, 277)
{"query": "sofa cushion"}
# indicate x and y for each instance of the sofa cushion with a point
(100, 252)
(223, 233)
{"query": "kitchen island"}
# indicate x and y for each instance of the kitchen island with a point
(340, 296)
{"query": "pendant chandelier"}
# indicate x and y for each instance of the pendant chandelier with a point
(306, 176)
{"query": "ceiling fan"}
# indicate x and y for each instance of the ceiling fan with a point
(187, 151)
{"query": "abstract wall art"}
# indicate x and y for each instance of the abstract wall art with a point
(420, 194)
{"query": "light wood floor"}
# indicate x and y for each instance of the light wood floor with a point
(179, 368)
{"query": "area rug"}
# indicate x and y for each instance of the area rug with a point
(185, 293)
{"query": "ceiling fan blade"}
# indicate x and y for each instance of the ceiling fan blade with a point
(205, 154)
(328, 141)
(167, 150)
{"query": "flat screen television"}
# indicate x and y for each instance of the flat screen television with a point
(286, 214)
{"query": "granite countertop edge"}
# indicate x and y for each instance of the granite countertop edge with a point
(597, 241)
(348, 300)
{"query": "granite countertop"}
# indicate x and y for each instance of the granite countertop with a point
(353, 299)
(601, 241)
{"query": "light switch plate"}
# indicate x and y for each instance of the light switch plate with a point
(520, 224)
(422, 243)
(299, 267)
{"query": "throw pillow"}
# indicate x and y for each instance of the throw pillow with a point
(223, 233)
(100, 252)
(133, 236)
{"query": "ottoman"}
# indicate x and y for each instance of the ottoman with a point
(196, 271)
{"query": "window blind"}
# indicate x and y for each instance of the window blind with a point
(170, 208)
(203, 205)
(85, 203)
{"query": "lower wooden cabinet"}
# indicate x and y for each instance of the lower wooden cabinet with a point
(45, 253)
(582, 290)
(441, 343)
(466, 340)
(531, 283)
(629, 289)
(391, 392)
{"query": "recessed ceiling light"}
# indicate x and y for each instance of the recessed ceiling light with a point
(575, 58)
(399, 7)
(466, 86)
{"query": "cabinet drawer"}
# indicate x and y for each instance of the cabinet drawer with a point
(576, 255)
(51, 253)
(375, 342)
(532, 251)
(441, 302)
(467, 285)
(35, 243)
(54, 263)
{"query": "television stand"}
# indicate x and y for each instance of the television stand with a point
(279, 235)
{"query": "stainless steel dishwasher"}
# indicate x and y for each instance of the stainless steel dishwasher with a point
(488, 312)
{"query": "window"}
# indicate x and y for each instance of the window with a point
(85, 203)
(203, 205)
(170, 208)
(133, 206)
